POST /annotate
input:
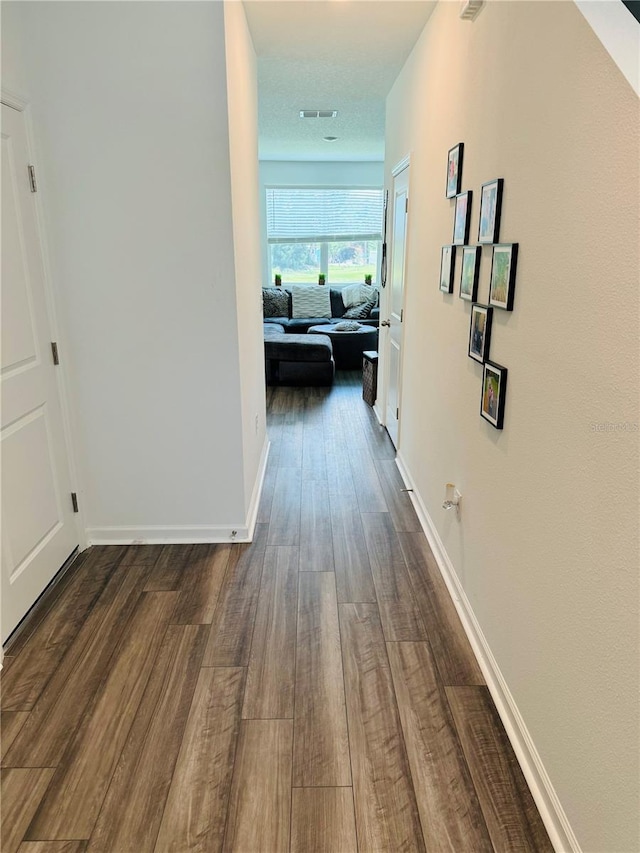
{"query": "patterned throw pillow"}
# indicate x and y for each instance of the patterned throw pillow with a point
(275, 302)
(361, 311)
(356, 294)
(347, 326)
(311, 300)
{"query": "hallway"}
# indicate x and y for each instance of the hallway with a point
(312, 691)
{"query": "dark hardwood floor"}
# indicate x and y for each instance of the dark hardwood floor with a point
(312, 691)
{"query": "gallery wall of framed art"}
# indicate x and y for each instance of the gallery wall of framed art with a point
(502, 278)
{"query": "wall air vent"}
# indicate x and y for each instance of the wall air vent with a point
(318, 113)
(469, 9)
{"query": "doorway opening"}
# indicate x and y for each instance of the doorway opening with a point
(321, 312)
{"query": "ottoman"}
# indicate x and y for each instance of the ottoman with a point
(349, 346)
(298, 359)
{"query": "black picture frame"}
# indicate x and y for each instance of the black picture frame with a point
(470, 273)
(462, 218)
(447, 268)
(494, 392)
(502, 283)
(490, 211)
(454, 170)
(480, 332)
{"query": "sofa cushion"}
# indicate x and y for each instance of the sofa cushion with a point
(310, 301)
(359, 312)
(275, 302)
(299, 327)
(299, 348)
(271, 329)
(337, 305)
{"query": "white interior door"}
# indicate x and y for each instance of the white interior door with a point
(38, 529)
(393, 348)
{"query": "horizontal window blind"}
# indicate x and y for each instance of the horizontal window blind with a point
(305, 215)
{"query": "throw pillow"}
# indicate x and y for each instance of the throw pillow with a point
(356, 294)
(275, 302)
(347, 326)
(351, 295)
(372, 294)
(359, 312)
(310, 301)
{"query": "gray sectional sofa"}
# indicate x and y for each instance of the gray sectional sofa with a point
(294, 356)
(298, 326)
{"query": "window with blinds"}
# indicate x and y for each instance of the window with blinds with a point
(335, 231)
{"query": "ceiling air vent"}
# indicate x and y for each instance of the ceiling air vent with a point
(469, 9)
(318, 113)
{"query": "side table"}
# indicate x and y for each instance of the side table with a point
(369, 376)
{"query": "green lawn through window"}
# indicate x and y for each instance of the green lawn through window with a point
(338, 274)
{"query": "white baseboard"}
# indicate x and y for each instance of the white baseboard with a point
(252, 514)
(191, 533)
(180, 535)
(551, 811)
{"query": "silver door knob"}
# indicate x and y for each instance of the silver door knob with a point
(385, 323)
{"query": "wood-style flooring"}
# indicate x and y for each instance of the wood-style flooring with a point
(312, 691)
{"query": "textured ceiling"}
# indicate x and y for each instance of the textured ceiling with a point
(329, 54)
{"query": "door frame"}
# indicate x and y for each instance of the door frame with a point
(383, 375)
(21, 104)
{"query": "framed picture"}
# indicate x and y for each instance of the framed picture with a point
(462, 218)
(470, 272)
(454, 170)
(494, 389)
(503, 275)
(480, 332)
(447, 266)
(490, 206)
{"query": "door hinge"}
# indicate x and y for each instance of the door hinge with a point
(406, 205)
(74, 501)
(54, 352)
(401, 314)
(397, 414)
(32, 179)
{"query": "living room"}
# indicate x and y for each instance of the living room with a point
(322, 221)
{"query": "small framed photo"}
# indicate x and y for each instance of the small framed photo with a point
(494, 389)
(454, 170)
(462, 218)
(447, 267)
(490, 207)
(503, 275)
(480, 332)
(470, 272)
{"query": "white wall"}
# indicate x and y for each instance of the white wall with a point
(614, 25)
(547, 547)
(242, 91)
(311, 174)
(130, 109)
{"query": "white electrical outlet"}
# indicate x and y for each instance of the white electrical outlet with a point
(452, 498)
